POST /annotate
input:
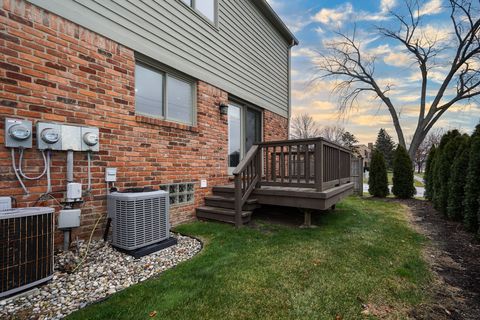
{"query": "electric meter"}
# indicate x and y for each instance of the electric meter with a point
(90, 138)
(19, 132)
(50, 135)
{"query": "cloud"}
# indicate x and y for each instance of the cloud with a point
(335, 16)
(371, 120)
(387, 5)
(346, 13)
(391, 56)
(431, 7)
(398, 59)
(303, 52)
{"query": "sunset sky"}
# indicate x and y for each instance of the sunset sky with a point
(314, 21)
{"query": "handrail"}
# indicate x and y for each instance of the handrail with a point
(247, 175)
(302, 141)
(246, 160)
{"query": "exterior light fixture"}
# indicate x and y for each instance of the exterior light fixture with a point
(223, 108)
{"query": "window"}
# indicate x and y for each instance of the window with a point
(180, 193)
(163, 95)
(180, 102)
(148, 97)
(208, 8)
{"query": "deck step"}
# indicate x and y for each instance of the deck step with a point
(229, 203)
(227, 191)
(221, 214)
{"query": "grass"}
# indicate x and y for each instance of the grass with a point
(365, 252)
(390, 179)
(418, 183)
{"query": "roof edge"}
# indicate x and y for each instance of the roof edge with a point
(273, 17)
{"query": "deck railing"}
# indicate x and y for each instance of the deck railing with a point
(305, 163)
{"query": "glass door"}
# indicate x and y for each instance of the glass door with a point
(253, 130)
(234, 136)
(244, 129)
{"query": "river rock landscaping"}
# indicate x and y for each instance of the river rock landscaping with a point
(104, 272)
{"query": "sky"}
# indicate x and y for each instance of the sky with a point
(314, 22)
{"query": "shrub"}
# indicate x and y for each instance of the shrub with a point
(386, 146)
(403, 186)
(456, 184)
(378, 179)
(428, 176)
(472, 186)
(446, 154)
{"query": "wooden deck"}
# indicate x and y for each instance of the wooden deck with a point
(311, 174)
(304, 198)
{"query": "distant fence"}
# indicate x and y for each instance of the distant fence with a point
(357, 175)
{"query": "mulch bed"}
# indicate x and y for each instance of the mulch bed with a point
(454, 257)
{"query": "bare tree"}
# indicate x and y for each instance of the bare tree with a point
(340, 136)
(346, 61)
(433, 138)
(303, 126)
(332, 133)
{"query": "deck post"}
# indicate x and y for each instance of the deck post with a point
(307, 222)
(259, 167)
(238, 201)
(319, 165)
(339, 167)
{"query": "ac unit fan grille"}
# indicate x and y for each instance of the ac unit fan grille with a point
(26, 251)
(140, 222)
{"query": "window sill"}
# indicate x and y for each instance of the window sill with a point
(165, 123)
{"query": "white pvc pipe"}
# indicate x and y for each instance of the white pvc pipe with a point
(16, 172)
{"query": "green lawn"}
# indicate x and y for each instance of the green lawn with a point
(364, 252)
(390, 179)
(418, 183)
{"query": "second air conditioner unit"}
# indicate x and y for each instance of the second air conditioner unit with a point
(139, 219)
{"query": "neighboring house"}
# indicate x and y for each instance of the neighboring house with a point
(365, 152)
(155, 77)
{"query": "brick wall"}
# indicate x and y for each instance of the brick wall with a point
(54, 70)
(275, 127)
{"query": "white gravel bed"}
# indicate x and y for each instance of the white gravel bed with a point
(104, 272)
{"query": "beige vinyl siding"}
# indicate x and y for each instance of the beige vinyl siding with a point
(244, 54)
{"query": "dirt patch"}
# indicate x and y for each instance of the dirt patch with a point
(454, 257)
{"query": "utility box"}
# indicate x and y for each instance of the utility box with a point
(71, 138)
(68, 219)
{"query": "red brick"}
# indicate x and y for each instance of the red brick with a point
(8, 66)
(17, 76)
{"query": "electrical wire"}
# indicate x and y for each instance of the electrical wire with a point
(88, 245)
(49, 181)
(32, 178)
(90, 238)
(16, 172)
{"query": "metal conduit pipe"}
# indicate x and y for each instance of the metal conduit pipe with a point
(69, 166)
(66, 232)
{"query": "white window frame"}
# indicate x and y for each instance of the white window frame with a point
(167, 72)
(193, 7)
